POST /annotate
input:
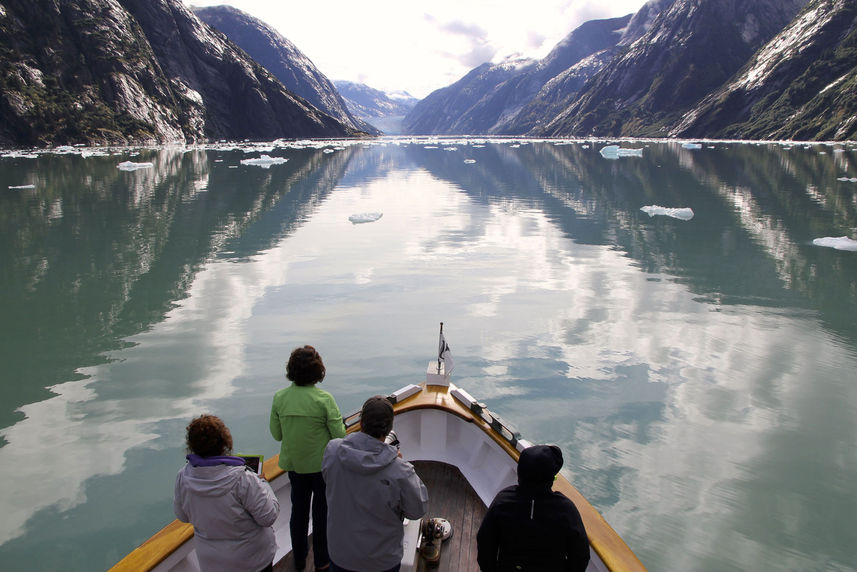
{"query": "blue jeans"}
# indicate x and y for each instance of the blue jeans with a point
(308, 491)
(335, 568)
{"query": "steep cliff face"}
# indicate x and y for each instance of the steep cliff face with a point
(800, 85)
(239, 97)
(564, 71)
(690, 50)
(135, 71)
(282, 58)
(62, 81)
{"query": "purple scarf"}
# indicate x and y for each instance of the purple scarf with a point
(198, 461)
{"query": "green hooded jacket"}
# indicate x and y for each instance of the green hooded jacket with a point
(304, 418)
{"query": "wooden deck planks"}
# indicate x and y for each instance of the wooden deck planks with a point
(451, 497)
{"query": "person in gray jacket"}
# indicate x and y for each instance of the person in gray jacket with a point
(231, 508)
(370, 489)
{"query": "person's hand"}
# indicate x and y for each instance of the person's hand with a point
(399, 454)
(262, 476)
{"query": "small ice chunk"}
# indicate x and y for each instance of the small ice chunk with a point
(684, 213)
(839, 243)
(614, 152)
(692, 145)
(265, 161)
(360, 218)
(470, 161)
(847, 180)
(22, 186)
(132, 166)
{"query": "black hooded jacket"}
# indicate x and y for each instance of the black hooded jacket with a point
(530, 527)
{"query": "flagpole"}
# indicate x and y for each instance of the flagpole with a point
(439, 347)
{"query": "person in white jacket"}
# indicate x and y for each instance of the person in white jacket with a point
(370, 489)
(232, 509)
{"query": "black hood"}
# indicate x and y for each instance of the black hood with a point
(539, 464)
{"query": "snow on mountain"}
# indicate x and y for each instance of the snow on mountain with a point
(504, 98)
(691, 49)
(383, 110)
(800, 85)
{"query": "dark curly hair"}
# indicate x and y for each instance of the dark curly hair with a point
(208, 436)
(305, 366)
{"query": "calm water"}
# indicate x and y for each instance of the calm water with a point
(699, 374)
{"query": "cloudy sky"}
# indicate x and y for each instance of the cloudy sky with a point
(420, 46)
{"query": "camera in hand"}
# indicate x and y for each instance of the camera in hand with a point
(392, 439)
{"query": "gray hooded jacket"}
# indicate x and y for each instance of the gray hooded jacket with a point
(232, 511)
(369, 491)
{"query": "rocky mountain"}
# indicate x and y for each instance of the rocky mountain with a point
(378, 108)
(757, 69)
(445, 111)
(690, 50)
(643, 20)
(507, 97)
(563, 72)
(800, 85)
(283, 59)
(136, 71)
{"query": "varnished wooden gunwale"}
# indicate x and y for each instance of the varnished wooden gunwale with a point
(609, 546)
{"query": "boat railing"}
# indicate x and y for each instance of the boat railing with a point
(505, 430)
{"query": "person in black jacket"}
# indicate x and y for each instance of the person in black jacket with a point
(530, 527)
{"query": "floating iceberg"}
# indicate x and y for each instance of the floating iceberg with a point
(684, 213)
(265, 161)
(365, 217)
(94, 153)
(847, 180)
(132, 166)
(614, 152)
(470, 161)
(692, 145)
(22, 186)
(839, 243)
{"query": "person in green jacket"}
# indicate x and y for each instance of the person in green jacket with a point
(304, 418)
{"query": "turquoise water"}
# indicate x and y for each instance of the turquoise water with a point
(698, 374)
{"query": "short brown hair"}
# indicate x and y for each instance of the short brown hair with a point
(208, 436)
(305, 366)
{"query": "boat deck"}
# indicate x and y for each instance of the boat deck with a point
(450, 497)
